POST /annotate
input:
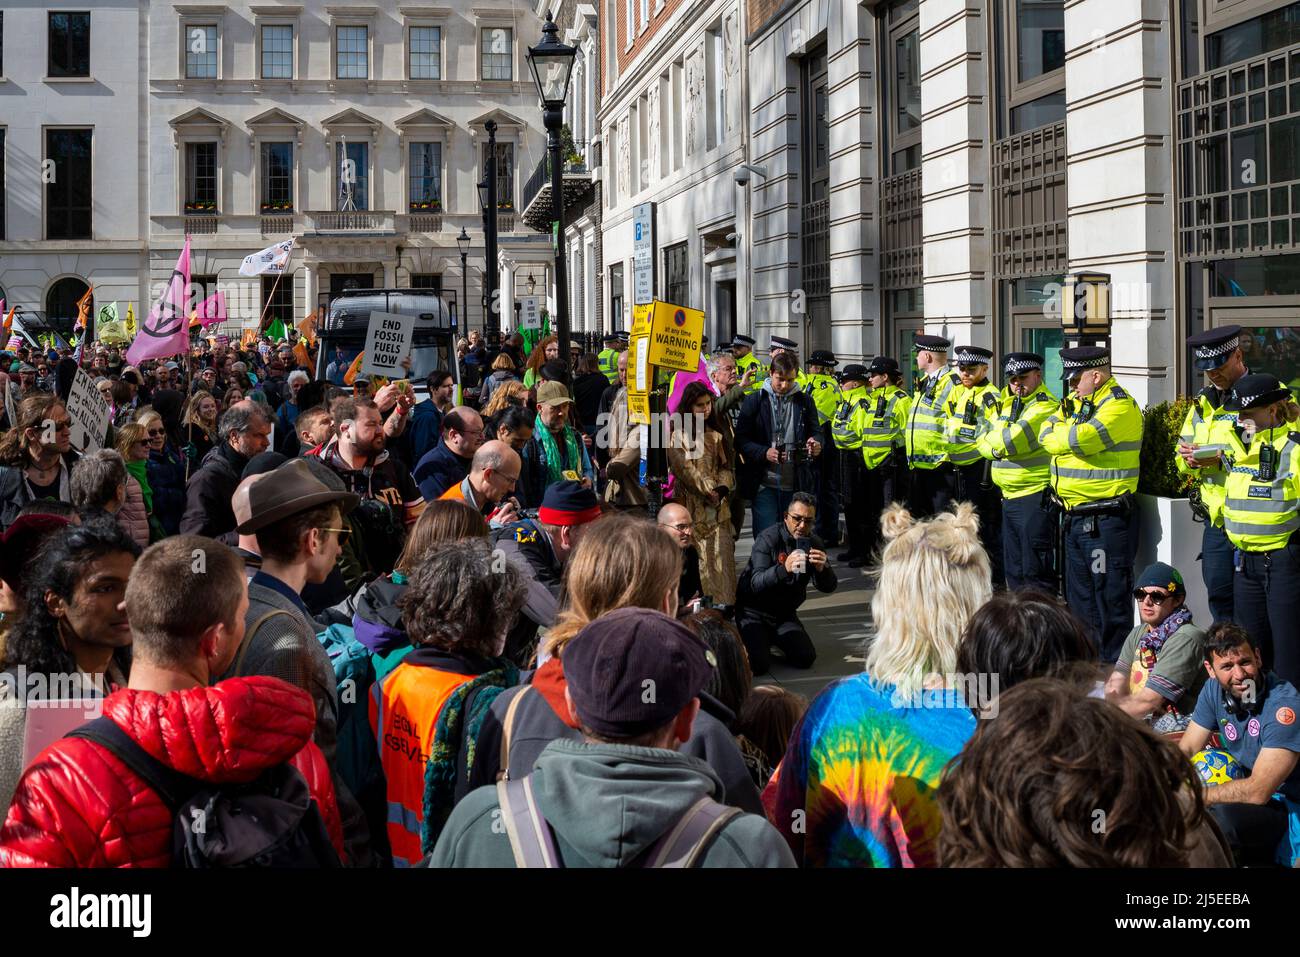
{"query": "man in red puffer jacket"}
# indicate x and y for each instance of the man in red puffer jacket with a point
(79, 805)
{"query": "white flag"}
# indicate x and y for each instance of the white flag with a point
(272, 259)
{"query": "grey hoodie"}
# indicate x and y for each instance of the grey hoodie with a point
(607, 803)
(785, 433)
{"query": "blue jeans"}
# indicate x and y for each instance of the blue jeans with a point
(769, 506)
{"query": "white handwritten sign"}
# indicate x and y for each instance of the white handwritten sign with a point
(388, 342)
(89, 413)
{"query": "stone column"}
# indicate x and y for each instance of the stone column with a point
(955, 170)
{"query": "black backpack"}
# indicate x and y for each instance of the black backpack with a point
(269, 822)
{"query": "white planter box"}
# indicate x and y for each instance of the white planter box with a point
(1170, 535)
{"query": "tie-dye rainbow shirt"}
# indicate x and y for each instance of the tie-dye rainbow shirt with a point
(857, 786)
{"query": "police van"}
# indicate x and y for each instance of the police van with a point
(347, 319)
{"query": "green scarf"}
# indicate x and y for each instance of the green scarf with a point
(453, 727)
(140, 471)
(554, 462)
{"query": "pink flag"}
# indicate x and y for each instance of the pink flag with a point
(212, 310)
(165, 331)
(682, 379)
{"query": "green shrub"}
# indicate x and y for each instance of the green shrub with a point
(1160, 476)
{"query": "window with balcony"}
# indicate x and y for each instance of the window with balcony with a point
(352, 161)
(277, 177)
(68, 192)
(497, 46)
(505, 174)
(69, 45)
(200, 51)
(1033, 64)
(425, 170)
(277, 52)
(352, 53)
(677, 275)
(426, 53)
(200, 177)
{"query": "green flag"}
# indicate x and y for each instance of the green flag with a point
(276, 331)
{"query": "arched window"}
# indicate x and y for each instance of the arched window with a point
(61, 303)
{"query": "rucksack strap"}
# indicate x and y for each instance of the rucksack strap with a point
(530, 836)
(682, 845)
(507, 730)
(170, 785)
(248, 638)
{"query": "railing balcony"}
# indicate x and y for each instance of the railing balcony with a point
(577, 179)
(277, 224)
(351, 221)
(425, 221)
(201, 223)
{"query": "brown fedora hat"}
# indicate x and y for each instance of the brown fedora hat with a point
(286, 491)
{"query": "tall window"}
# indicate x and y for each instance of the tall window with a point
(68, 193)
(903, 88)
(277, 299)
(277, 176)
(1034, 64)
(505, 174)
(353, 59)
(1262, 34)
(497, 44)
(69, 44)
(426, 53)
(616, 296)
(277, 52)
(353, 175)
(201, 177)
(425, 168)
(817, 132)
(201, 52)
(677, 276)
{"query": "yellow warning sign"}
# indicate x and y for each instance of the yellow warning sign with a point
(676, 336)
(641, 320)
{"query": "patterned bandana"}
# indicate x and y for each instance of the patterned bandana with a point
(1155, 639)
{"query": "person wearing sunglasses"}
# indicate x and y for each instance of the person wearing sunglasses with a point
(1158, 675)
(36, 456)
(298, 523)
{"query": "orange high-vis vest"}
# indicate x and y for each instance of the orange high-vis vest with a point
(454, 494)
(404, 710)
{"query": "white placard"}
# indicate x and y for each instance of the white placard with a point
(642, 374)
(643, 258)
(530, 316)
(89, 413)
(388, 342)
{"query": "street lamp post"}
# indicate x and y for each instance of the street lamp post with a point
(492, 252)
(551, 62)
(462, 241)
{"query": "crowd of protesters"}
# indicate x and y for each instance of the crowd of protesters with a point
(451, 635)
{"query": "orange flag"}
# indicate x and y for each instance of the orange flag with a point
(307, 329)
(9, 322)
(354, 370)
(83, 308)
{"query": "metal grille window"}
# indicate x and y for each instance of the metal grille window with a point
(277, 176)
(69, 44)
(277, 52)
(901, 241)
(352, 55)
(426, 176)
(505, 174)
(1263, 34)
(201, 177)
(200, 52)
(815, 219)
(497, 44)
(1238, 161)
(68, 193)
(277, 299)
(677, 275)
(426, 53)
(1029, 203)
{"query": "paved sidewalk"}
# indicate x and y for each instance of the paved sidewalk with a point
(839, 624)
